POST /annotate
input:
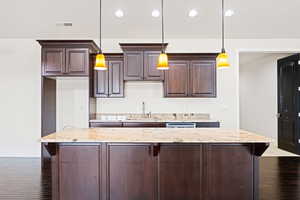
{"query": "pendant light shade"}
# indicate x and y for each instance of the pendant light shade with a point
(100, 63)
(163, 62)
(222, 60)
(223, 57)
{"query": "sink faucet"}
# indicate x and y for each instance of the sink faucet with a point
(144, 108)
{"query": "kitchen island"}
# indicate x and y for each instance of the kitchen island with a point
(155, 164)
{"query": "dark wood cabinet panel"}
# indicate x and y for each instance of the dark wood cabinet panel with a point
(77, 61)
(101, 81)
(116, 80)
(66, 57)
(196, 79)
(229, 172)
(180, 172)
(176, 79)
(131, 172)
(110, 83)
(79, 176)
(53, 61)
(202, 78)
(144, 124)
(133, 66)
(150, 66)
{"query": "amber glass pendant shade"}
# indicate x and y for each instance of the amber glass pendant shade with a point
(100, 63)
(222, 60)
(163, 63)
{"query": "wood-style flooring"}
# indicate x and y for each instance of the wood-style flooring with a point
(21, 179)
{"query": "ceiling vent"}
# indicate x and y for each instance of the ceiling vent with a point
(67, 24)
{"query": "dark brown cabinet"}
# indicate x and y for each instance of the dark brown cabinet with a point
(141, 61)
(141, 65)
(193, 76)
(53, 61)
(230, 172)
(131, 172)
(66, 58)
(180, 172)
(151, 171)
(176, 79)
(134, 61)
(150, 64)
(77, 61)
(79, 172)
(110, 83)
(202, 78)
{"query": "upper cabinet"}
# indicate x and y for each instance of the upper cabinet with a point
(191, 76)
(140, 62)
(66, 58)
(110, 83)
(176, 79)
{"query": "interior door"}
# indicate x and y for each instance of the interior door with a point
(288, 104)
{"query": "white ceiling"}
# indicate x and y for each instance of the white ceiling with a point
(252, 19)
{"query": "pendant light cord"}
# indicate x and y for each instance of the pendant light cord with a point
(100, 29)
(223, 28)
(162, 27)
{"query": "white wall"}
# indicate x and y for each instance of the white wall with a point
(258, 92)
(152, 94)
(20, 104)
(20, 85)
(72, 103)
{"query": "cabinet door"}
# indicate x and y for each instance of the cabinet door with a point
(180, 172)
(77, 61)
(101, 83)
(133, 66)
(131, 172)
(203, 78)
(150, 64)
(116, 79)
(79, 176)
(229, 172)
(53, 61)
(176, 79)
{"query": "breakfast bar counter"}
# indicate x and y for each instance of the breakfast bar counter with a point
(155, 164)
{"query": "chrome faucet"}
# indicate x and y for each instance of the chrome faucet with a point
(144, 108)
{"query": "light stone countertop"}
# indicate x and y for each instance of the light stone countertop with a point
(155, 135)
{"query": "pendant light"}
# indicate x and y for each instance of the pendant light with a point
(100, 63)
(163, 63)
(222, 59)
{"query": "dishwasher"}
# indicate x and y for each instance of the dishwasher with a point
(180, 125)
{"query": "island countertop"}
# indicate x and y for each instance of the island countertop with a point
(155, 135)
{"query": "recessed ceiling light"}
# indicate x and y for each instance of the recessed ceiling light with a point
(119, 13)
(155, 13)
(193, 13)
(229, 13)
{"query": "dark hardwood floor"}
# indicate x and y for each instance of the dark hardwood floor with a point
(21, 178)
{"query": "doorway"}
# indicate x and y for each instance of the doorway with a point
(258, 97)
(288, 69)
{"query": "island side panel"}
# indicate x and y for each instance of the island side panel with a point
(229, 172)
(180, 172)
(79, 172)
(130, 172)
